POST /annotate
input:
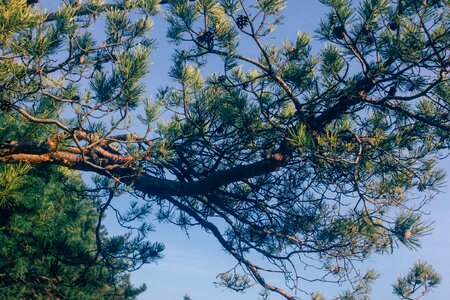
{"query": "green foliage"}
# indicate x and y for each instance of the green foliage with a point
(131, 67)
(235, 282)
(48, 240)
(332, 62)
(317, 296)
(409, 228)
(306, 158)
(420, 280)
(15, 17)
(11, 180)
(271, 7)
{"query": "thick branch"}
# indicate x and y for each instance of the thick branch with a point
(14, 152)
(163, 187)
(344, 101)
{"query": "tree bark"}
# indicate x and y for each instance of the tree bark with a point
(38, 153)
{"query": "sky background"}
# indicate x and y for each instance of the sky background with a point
(190, 264)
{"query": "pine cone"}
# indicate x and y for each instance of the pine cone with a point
(338, 31)
(408, 234)
(392, 90)
(393, 25)
(221, 79)
(366, 30)
(5, 106)
(242, 21)
(207, 38)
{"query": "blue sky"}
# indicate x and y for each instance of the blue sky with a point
(191, 264)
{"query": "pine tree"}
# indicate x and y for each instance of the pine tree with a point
(50, 239)
(303, 158)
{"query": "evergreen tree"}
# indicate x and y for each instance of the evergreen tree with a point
(51, 243)
(303, 158)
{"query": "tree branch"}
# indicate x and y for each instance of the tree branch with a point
(85, 10)
(118, 167)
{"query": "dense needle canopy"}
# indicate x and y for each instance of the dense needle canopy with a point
(317, 159)
(52, 244)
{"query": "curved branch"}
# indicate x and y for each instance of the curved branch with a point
(252, 268)
(118, 167)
